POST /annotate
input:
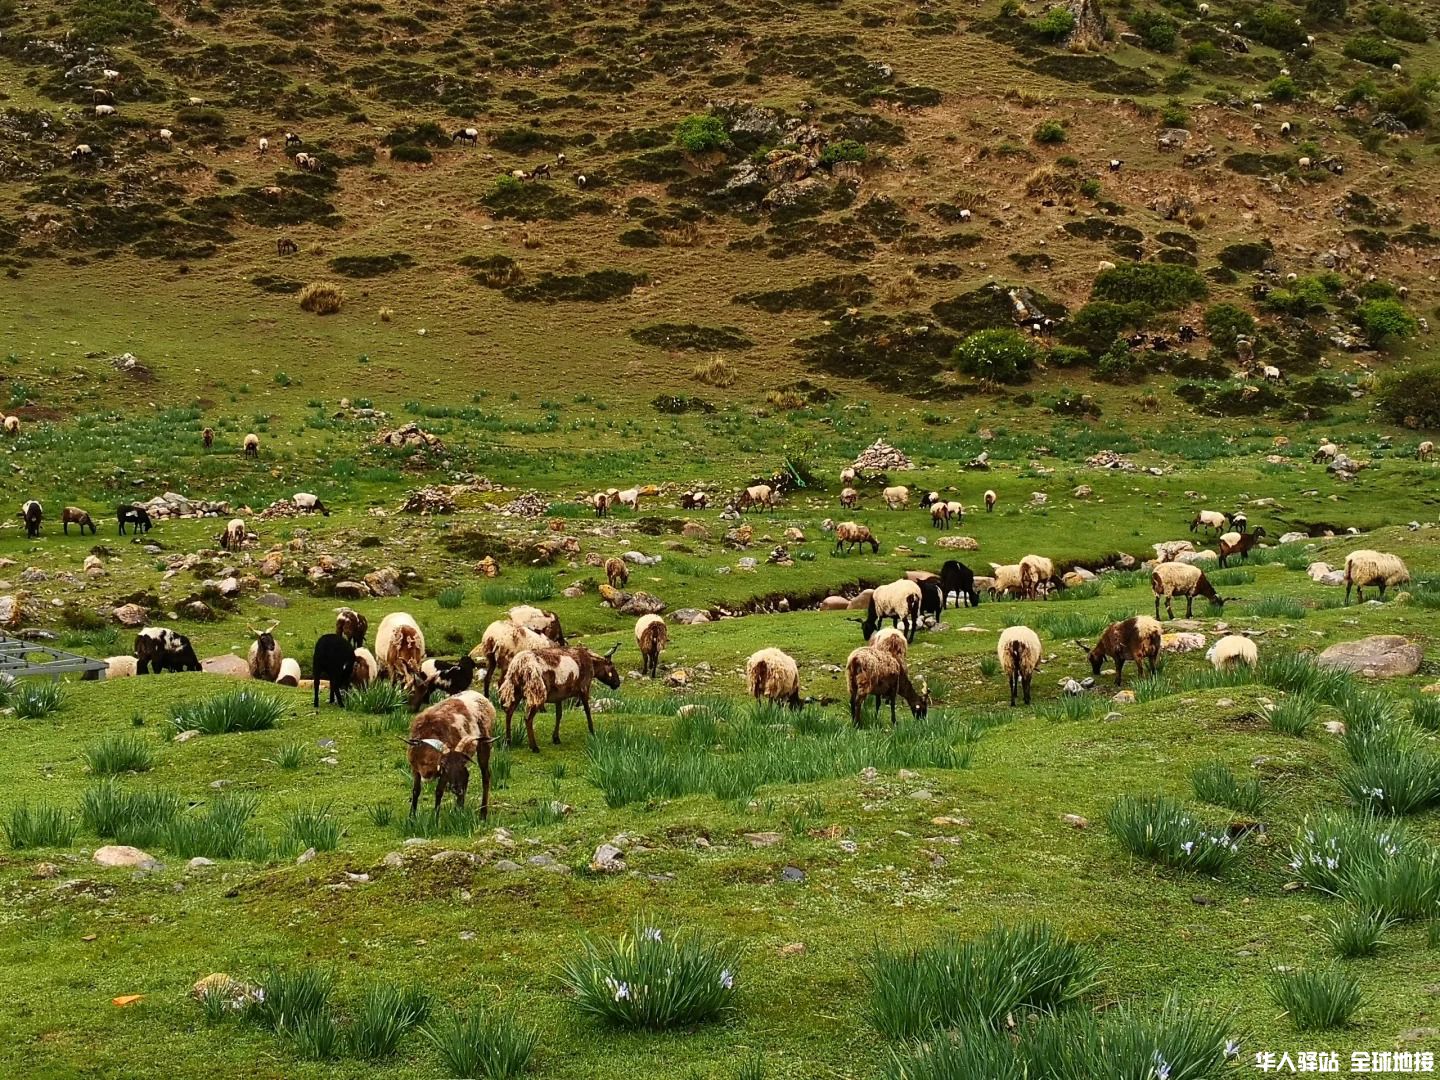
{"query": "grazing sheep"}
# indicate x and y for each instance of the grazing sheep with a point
(1037, 573)
(285, 246)
(131, 514)
(1366, 567)
(1272, 374)
(34, 514)
(1005, 579)
(263, 144)
(466, 134)
(303, 500)
(545, 623)
(888, 639)
(1136, 639)
(1104, 265)
(965, 214)
(1285, 129)
(1019, 653)
(1172, 579)
(849, 533)
(629, 498)
(616, 572)
(335, 661)
(501, 643)
(233, 538)
(554, 676)
(158, 649)
(366, 668)
(74, 515)
(1209, 519)
(896, 498)
(758, 495)
(1115, 164)
(932, 600)
(580, 180)
(989, 501)
(898, 601)
(957, 511)
(601, 502)
(82, 152)
(290, 673)
(871, 672)
(1232, 651)
(252, 445)
(1326, 451)
(848, 476)
(264, 659)
(1424, 450)
(351, 625)
(292, 139)
(940, 515)
(772, 675)
(1238, 543)
(1204, 9)
(165, 135)
(399, 646)
(449, 677)
(929, 499)
(848, 498)
(959, 579)
(12, 426)
(102, 111)
(443, 740)
(207, 438)
(651, 637)
(694, 500)
(1238, 521)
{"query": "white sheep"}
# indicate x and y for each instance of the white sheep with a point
(1424, 450)
(629, 498)
(1204, 10)
(1366, 567)
(896, 498)
(544, 623)
(264, 145)
(366, 669)
(12, 426)
(651, 637)
(847, 476)
(990, 498)
(500, 644)
(165, 135)
(104, 110)
(252, 445)
(1171, 579)
(1208, 519)
(399, 646)
(1104, 265)
(964, 215)
(1304, 163)
(1396, 68)
(1006, 579)
(1036, 572)
(290, 673)
(1326, 451)
(1019, 653)
(773, 675)
(81, 152)
(1232, 651)
(898, 601)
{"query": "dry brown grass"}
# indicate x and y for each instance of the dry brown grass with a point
(322, 298)
(1049, 182)
(714, 372)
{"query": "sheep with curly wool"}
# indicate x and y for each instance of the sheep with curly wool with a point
(502, 641)
(773, 675)
(899, 602)
(1019, 652)
(1209, 519)
(1364, 568)
(545, 623)
(1036, 575)
(877, 673)
(849, 534)
(399, 646)
(1232, 651)
(1172, 579)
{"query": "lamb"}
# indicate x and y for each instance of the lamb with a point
(898, 601)
(501, 643)
(1036, 574)
(694, 500)
(989, 501)
(351, 625)
(399, 646)
(207, 438)
(932, 600)
(1366, 567)
(554, 675)
(334, 661)
(772, 675)
(629, 498)
(131, 514)
(102, 111)
(158, 648)
(73, 515)
(252, 445)
(1238, 543)
(1005, 579)
(34, 514)
(1136, 639)
(601, 501)
(1326, 451)
(1172, 579)
(466, 134)
(545, 623)
(366, 668)
(12, 426)
(165, 135)
(233, 538)
(1238, 521)
(303, 500)
(959, 579)
(264, 659)
(849, 534)
(1019, 653)
(443, 740)
(871, 672)
(616, 572)
(651, 637)
(849, 497)
(1209, 519)
(1232, 651)
(1424, 450)
(762, 495)
(940, 515)
(896, 498)
(290, 673)
(285, 246)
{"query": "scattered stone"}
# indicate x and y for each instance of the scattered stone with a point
(1335, 727)
(922, 795)
(541, 860)
(1075, 821)
(792, 874)
(455, 856)
(1381, 656)
(305, 856)
(690, 617)
(1124, 697)
(506, 866)
(880, 456)
(393, 859)
(46, 870)
(958, 543)
(608, 859)
(124, 855)
(1182, 642)
(959, 822)
(763, 839)
(185, 736)
(1084, 491)
(199, 863)
(793, 948)
(1071, 687)
(130, 616)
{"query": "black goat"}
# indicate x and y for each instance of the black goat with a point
(333, 661)
(957, 578)
(33, 513)
(448, 676)
(932, 599)
(129, 513)
(158, 648)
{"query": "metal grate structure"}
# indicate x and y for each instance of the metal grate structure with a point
(21, 658)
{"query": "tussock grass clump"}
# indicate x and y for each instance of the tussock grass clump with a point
(1275, 606)
(714, 372)
(451, 598)
(221, 830)
(1316, 1000)
(654, 978)
(35, 699)
(376, 699)
(1230, 575)
(290, 756)
(1297, 673)
(1215, 782)
(382, 1018)
(1425, 712)
(291, 995)
(1334, 845)
(1159, 828)
(131, 817)
(1404, 887)
(119, 753)
(316, 1036)
(237, 711)
(311, 827)
(1357, 933)
(1071, 707)
(538, 586)
(482, 1042)
(322, 298)
(453, 821)
(1392, 770)
(976, 984)
(38, 825)
(1293, 715)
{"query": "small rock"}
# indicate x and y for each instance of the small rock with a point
(850, 847)
(1335, 727)
(922, 795)
(763, 839)
(393, 859)
(541, 860)
(608, 859)
(792, 874)
(1071, 687)
(414, 841)
(506, 866)
(199, 863)
(305, 856)
(906, 774)
(185, 736)
(1075, 821)
(46, 870)
(123, 855)
(793, 948)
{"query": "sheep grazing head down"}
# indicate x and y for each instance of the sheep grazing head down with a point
(603, 665)
(453, 765)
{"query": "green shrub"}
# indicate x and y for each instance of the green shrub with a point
(1337, 846)
(482, 1042)
(1119, 364)
(239, 710)
(997, 356)
(1385, 321)
(1412, 395)
(1157, 31)
(382, 1018)
(291, 995)
(1174, 115)
(1049, 132)
(414, 155)
(103, 21)
(844, 150)
(219, 830)
(1274, 26)
(1293, 715)
(699, 134)
(1225, 323)
(118, 753)
(1055, 25)
(34, 699)
(1161, 285)
(1316, 1000)
(112, 812)
(1159, 828)
(1202, 53)
(1327, 10)
(1095, 326)
(1305, 296)
(1397, 23)
(1369, 49)
(1281, 88)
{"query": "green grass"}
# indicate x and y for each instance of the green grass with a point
(311, 827)
(1216, 783)
(1293, 715)
(130, 816)
(220, 829)
(291, 996)
(482, 1041)
(38, 825)
(1160, 829)
(223, 714)
(1317, 1000)
(379, 698)
(36, 699)
(119, 753)
(383, 1016)
(1354, 933)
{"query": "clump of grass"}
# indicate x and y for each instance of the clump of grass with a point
(382, 1018)
(1293, 715)
(453, 821)
(237, 711)
(989, 666)
(376, 699)
(957, 1055)
(315, 1035)
(1425, 712)
(132, 817)
(119, 753)
(322, 298)
(290, 756)
(1316, 1000)
(451, 598)
(39, 825)
(35, 699)
(714, 372)
(1177, 1041)
(1215, 782)
(1335, 845)
(1070, 625)
(1297, 673)
(1070, 707)
(1159, 828)
(381, 814)
(482, 1042)
(538, 586)
(1403, 887)
(219, 831)
(1357, 933)
(654, 979)
(1393, 774)
(311, 827)
(290, 996)
(1230, 575)
(976, 984)
(1277, 607)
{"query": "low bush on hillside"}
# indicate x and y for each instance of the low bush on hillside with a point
(1162, 286)
(997, 356)
(1386, 321)
(699, 134)
(322, 298)
(1225, 324)
(1412, 396)
(1370, 49)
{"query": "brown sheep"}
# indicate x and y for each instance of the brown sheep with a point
(554, 676)
(1136, 639)
(774, 676)
(651, 636)
(73, 515)
(1239, 543)
(501, 643)
(443, 740)
(871, 672)
(208, 437)
(616, 572)
(351, 625)
(848, 534)
(545, 623)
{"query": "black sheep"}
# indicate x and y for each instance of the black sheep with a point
(957, 578)
(128, 513)
(334, 661)
(33, 513)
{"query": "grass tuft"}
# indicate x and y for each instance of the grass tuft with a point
(1214, 782)
(311, 827)
(119, 753)
(1357, 933)
(382, 1018)
(237, 711)
(1293, 715)
(36, 699)
(1316, 1000)
(482, 1042)
(1159, 828)
(377, 699)
(39, 825)
(290, 996)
